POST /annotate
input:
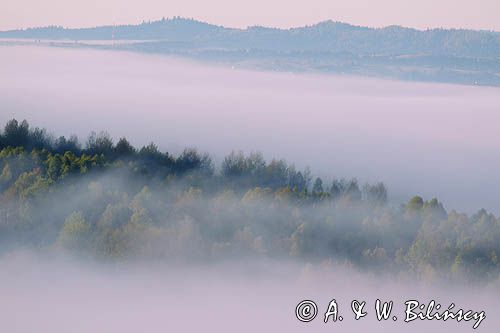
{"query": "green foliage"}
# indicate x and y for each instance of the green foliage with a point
(75, 234)
(318, 186)
(124, 148)
(123, 203)
(415, 204)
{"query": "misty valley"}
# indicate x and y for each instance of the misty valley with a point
(111, 201)
(249, 166)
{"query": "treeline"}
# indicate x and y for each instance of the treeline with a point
(98, 147)
(26, 149)
(113, 201)
(326, 36)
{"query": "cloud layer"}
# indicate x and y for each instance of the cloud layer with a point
(427, 139)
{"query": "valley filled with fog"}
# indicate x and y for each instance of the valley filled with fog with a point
(105, 236)
(433, 140)
(56, 294)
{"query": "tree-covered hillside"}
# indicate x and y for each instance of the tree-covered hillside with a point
(111, 201)
(444, 55)
(325, 36)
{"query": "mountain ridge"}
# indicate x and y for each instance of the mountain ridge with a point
(195, 21)
(443, 55)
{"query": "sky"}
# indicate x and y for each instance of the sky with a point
(421, 14)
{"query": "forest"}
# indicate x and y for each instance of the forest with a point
(434, 55)
(111, 201)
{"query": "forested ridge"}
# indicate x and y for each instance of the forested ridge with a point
(436, 55)
(111, 201)
(323, 36)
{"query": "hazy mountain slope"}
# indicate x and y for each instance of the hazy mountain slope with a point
(326, 36)
(458, 56)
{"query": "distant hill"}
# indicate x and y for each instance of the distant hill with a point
(448, 55)
(177, 29)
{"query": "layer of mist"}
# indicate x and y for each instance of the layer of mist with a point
(433, 140)
(54, 294)
(106, 246)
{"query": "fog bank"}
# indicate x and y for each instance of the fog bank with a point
(54, 294)
(426, 139)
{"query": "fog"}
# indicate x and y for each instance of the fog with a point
(427, 139)
(54, 294)
(184, 265)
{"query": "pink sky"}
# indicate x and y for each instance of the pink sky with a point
(422, 14)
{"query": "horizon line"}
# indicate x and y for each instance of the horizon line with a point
(176, 17)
